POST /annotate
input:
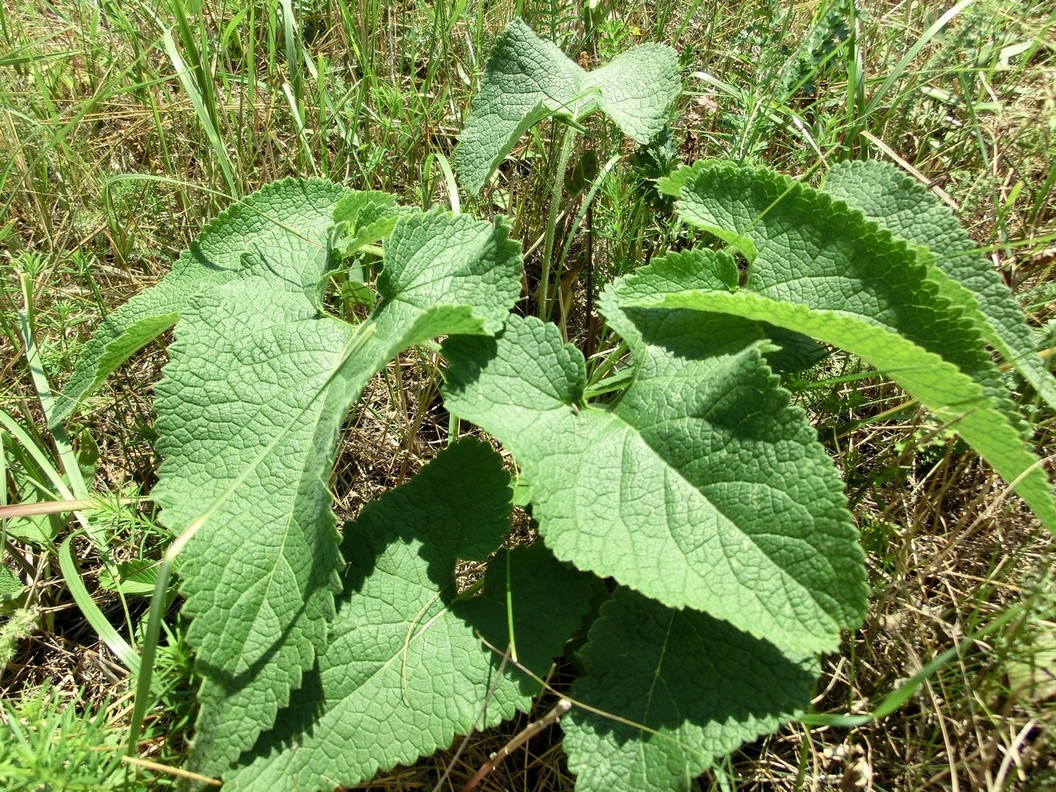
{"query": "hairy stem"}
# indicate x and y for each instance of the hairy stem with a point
(529, 731)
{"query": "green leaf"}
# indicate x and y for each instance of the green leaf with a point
(701, 488)
(360, 208)
(529, 79)
(138, 576)
(893, 200)
(248, 416)
(10, 586)
(673, 183)
(364, 218)
(291, 214)
(439, 267)
(636, 88)
(790, 352)
(405, 671)
(684, 687)
(939, 385)
(807, 248)
(358, 293)
(795, 352)
(822, 269)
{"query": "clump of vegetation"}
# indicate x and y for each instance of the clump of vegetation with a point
(405, 525)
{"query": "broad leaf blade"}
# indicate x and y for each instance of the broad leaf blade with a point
(285, 218)
(827, 260)
(249, 412)
(811, 249)
(527, 79)
(685, 688)
(405, 670)
(702, 488)
(439, 260)
(939, 385)
(896, 202)
(260, 574)
(636, 88)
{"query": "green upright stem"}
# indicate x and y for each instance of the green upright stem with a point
(551, 222)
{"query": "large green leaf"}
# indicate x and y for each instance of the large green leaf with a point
(805, 247)
(248, 415)
(406, 671)
(890, 198)
(701, 488)
(678, 688)
(288, 219)
(821, 268)
(635, 89)
(938, 384)
(529, 79)
(526, 80)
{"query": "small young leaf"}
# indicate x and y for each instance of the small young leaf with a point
(365, 218)
(701, 488)
(363, 207)
(405, 670)
(686, 688)
(893, 200)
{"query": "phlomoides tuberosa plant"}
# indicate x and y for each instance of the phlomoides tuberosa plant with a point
(692, 530)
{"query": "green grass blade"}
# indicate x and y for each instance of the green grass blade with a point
(183, 73)
(102, 626)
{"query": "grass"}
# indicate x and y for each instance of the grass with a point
(125, 127)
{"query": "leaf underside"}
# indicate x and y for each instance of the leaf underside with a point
(405, 671)
(893, 200)
(248, 417)
(821, 268)
(529, 79)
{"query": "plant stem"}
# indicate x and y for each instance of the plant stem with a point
(12, 511)
(567, 140)
(529, 731)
